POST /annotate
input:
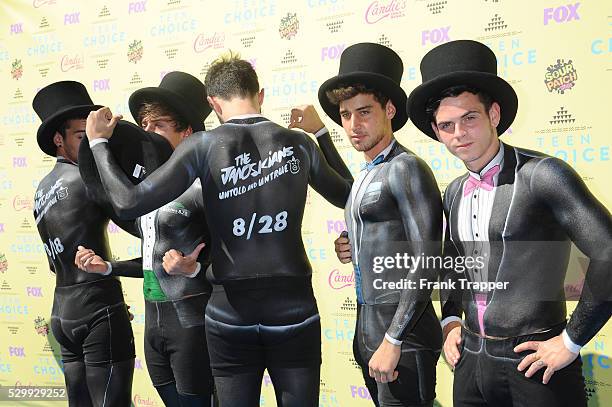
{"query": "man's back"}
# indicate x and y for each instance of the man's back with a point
(61, 206)
(255, 176)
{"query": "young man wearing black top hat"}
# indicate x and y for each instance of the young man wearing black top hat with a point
(519, 210)
(394, 209)
(262, 313)
(89, 317)
(175, 287)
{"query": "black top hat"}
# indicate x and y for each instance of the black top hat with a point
(182, 92)
(375, 66)
(55, 104)
(462, 62)
(137, 152)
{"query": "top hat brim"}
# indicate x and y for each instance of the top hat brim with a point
(500, 90)
(136, 151)
(49, 126)
(172, 99)
(379, 82)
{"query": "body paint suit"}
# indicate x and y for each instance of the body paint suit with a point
(89, 317)
(255, 176)
(540, 206)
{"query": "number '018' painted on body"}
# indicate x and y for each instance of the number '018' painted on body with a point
(266, 222)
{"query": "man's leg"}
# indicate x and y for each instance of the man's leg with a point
(109, 357)
(296, 387)
(187, 350)
(239, 389)
(111, 385)
(369, 382)
(566, 387)
(158, 364)
(72, 357)
(415, 384)
(469, 373)
(76, 384)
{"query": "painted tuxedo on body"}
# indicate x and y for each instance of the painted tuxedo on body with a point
(540, 206)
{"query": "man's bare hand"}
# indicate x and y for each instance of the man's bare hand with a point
(176, 264)
(305, 117)
(342, 246)
(551, 354)
(101, 123)
(384, 361)
(452, 340)
(87, 260)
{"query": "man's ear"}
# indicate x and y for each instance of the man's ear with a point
(390, 109)
(58, 140)
(436, 131)
(212, 101)
(260, 97)
(495, 114)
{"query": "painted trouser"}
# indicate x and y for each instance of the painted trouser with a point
(487, 375)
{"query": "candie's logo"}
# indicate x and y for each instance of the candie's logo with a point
(22, 202)
(378, 10)
(560, 76)
(40, 3)
(215, 41)
(289, 26)
(135, 51)
(71, 62)
(340, 279)
(17, 69)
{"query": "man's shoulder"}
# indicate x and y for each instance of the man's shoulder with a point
(406, 158)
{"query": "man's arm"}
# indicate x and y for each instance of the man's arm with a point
(305, 117)
(588, 224)
(418, 199)
(88, 261)
(324, 179)
(450, 299)
(160, 187)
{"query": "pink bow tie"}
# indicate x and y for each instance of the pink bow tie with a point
(486, 181)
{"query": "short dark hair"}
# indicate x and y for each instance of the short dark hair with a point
(345, 92)
(157, 109)
(61, 129)
(230, 76)
(434, 103)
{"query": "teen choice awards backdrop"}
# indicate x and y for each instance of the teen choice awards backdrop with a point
(556, 53)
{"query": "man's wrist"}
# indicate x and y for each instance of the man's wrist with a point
(323, 130)
(195, 273)
(569, 344)
(450, 319)
(392, 340)
(97, 141)
(109, 268)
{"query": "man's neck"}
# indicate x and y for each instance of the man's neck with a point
(372, 153)
(238, 107)
(478, 165)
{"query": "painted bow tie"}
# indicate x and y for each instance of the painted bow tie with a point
(485, 182)
(374, 163)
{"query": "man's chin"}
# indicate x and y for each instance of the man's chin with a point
(360, 147)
